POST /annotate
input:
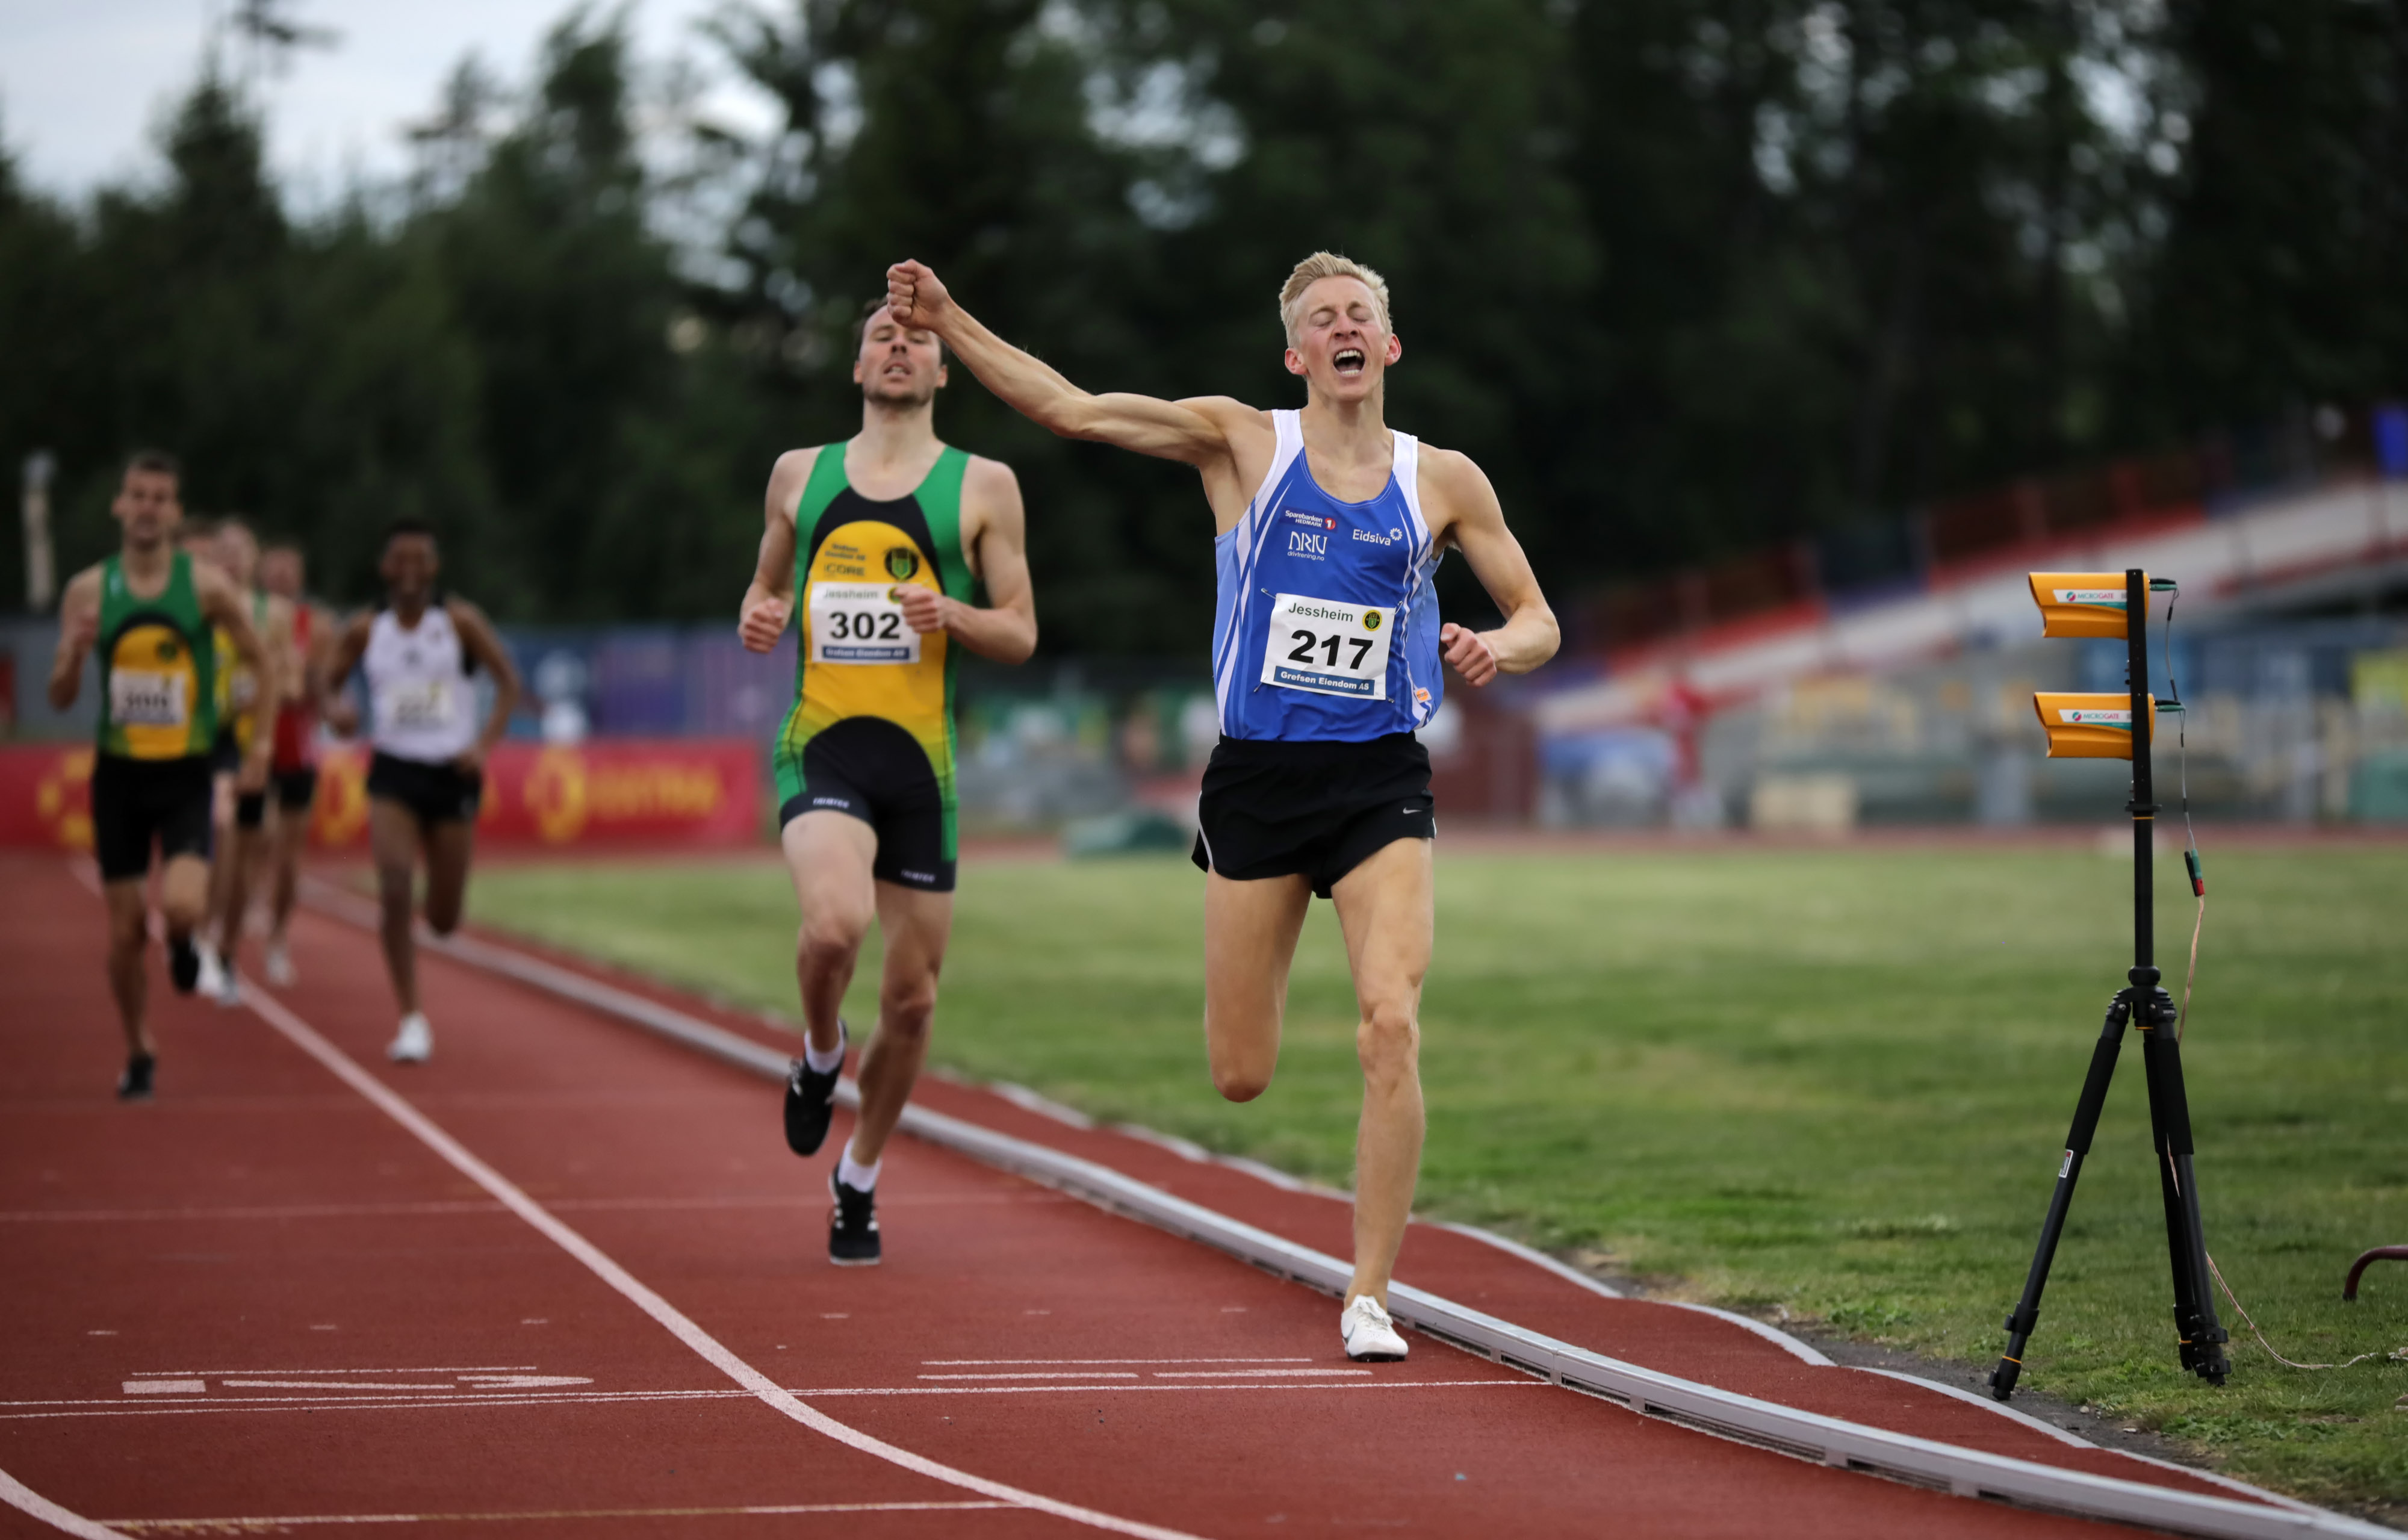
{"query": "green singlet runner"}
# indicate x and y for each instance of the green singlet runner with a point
(871, 732)
(158, 668)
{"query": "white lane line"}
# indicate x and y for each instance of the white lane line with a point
(321, 1373)
(1245, 1374)
(252, 1526)
(357, 1387)
(1043, 1373)
(672, 1319)
(26, 1499)
(998, 1363)
(314, 1403)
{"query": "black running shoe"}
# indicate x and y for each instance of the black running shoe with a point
(183, 963)
(134, 1085)
(810, 1100)
(853, 1226)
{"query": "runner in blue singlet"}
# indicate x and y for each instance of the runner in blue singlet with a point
(1326, 650)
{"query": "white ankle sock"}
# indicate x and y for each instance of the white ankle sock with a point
(860, 1178)
(825, 1063)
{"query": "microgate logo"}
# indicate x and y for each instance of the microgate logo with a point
(2080, 716)
(2111, 598)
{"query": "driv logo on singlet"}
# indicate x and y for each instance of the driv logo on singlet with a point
(1310, 547)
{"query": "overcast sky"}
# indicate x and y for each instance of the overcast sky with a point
(83, 82)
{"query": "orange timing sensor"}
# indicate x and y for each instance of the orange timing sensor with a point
(2089, 727)
(2080, 604)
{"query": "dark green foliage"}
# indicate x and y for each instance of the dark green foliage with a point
(1685, 276)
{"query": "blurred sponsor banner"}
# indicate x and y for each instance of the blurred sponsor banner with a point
(685, 791)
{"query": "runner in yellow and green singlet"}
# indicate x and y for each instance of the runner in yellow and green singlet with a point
(147, 612)
(877, 548)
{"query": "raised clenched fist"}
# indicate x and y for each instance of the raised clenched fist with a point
(915, 297)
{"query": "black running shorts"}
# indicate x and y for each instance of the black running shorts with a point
(1274, 809)
(251, 809)
(438, 794)
(871, 768)
(139, 802)
(295, 789)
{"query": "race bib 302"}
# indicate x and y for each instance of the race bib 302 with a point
(860, 622)
(140, 697)
(1328, 647)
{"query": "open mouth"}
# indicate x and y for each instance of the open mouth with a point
(1347, 360)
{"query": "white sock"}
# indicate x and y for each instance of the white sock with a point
(860, 1178)
(825, 1063)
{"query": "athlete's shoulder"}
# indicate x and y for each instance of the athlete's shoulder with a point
(985, 478)
(1229, 414)
(1454, 481)
(790, 475)
(85, 585)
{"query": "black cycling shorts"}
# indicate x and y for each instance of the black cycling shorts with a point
(872, 769)
(139, 802)
(436, 794)
(1318, 808)
(295, 789)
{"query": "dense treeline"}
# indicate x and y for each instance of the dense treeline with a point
(1684, 275)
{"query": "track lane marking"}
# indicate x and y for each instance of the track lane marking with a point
(675, 1321)
(19, 1496)
(221, 1526)
(173, 1406)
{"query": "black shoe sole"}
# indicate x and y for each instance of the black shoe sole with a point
(870, 1247)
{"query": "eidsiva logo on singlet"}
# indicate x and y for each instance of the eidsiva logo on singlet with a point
(1328, 647)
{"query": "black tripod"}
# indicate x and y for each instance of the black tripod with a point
(2152, 1009)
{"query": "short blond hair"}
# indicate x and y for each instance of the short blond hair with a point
(1312, 270)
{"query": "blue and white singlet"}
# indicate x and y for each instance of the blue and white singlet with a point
(1325, 626)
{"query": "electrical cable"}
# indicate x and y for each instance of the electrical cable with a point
(2198, 889)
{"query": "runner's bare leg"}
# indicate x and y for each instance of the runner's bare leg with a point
(828, 855)
(129, 972)
(393, 840)
(292, 832)
(1386, 910)
(915, 925)
(1250, 931)
(450, 845)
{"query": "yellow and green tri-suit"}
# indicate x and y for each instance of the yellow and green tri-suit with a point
(871, 734)
(158, 717)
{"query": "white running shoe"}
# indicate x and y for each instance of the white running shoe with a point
(414, 1044)
(216, 979)
(279, 966)
(1371, 1336)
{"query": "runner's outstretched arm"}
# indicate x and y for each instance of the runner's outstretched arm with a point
(1529, 635)
(1194, 432)
(477, 636)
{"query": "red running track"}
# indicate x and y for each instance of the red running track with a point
(566, 1279)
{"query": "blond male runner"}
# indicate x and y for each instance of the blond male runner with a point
(889, 537)
(1327, 655)
(148, 610)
